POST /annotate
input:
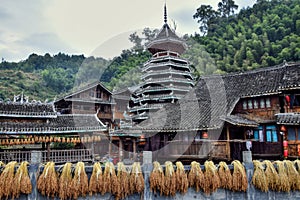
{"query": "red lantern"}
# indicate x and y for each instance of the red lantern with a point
(285, 153)
(285, 143)
(282, 128)
(287, 98)
(204, 135)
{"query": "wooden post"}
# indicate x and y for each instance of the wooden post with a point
(120, 149)
(134, 148)
(228, 142)
(48, 151)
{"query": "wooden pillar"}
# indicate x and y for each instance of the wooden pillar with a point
(228, 142)
(134, 148)
(48, 151)
(120, 149)
(110, 148)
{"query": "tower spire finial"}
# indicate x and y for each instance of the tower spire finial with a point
(165, 14)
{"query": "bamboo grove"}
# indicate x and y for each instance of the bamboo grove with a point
(71, 181)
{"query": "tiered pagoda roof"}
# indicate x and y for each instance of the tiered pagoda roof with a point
(167, 76)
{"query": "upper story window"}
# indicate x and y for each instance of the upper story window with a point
(268, 103)
(250, 105)
(257, 103)
(262, 103)
(92, 93)
(98, 94)
(245, 105)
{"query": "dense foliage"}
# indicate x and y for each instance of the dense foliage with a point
(264, 35)
(261, 36)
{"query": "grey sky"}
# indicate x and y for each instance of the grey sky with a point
(91, 27)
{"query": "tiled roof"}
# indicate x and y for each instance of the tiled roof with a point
(74, 123)
(166, 32)
(215, 96)
(288, 118)
(239, 121)
(291, 78)
(36, 110)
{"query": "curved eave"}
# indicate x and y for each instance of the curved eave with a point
(158, 98)
(167, 88)
(48, 132)
(155, 81)
(167, 44)
(167, 72)
(26, 115)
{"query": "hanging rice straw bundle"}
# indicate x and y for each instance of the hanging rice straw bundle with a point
(239, 177)
(157, 178)
(211, 178)
(196, 176)
(136, 180)
(297, 164)
(225, 176)
(110, 180)
(96, 180)
(170, 180)
(283, 183)
(65, 180)
(79, 184)
(47, 183)
(22, 183)
(6, 180)
(271, 175)
(259, 178)
(293, 176)
(182, 182)
(123, 179)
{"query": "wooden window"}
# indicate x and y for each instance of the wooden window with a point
(92, 93)
(291, 134)
(271, 133)
(245, 105)
(250, 104)
(268, 103)
(262, 103)
(98, 94)
(255, 103)
(258, 133)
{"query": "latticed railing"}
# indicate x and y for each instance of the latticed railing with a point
(149, 65)
(167, 71)
(57, 156)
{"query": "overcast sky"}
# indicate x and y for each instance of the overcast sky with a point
(90, 27)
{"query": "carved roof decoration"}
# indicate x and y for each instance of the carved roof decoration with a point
(26, 109)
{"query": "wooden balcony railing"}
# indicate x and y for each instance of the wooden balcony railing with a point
(57, 156)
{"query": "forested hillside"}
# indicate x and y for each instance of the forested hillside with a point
(264, 35)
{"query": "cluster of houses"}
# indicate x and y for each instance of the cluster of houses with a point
(217, 117)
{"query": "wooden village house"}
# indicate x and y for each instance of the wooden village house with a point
(225, 114)
(32, 126)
